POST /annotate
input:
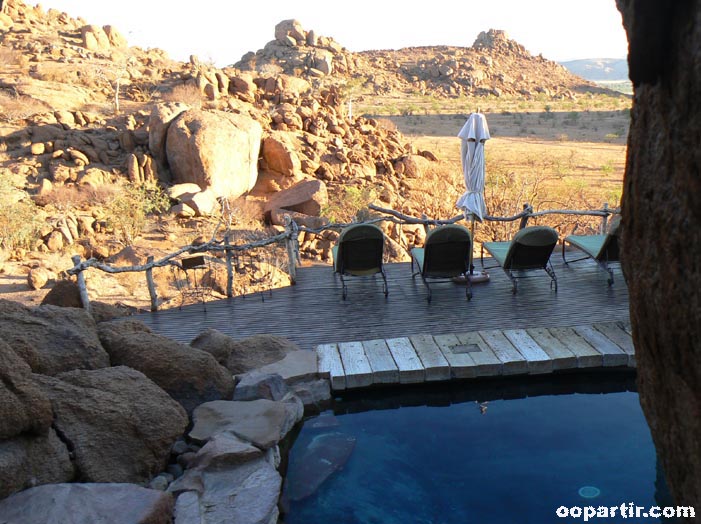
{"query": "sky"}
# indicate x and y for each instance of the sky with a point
(222, 31)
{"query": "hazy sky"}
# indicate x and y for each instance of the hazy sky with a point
(224, 30)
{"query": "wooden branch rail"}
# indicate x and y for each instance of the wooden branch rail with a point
(291, 238)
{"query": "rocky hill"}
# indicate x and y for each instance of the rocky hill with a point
(494, 65)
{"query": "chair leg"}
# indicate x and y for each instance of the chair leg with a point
(563, 253)
(468, 288)
(514, 285)
(550, 271)
(428, 288)
(344, 287)
(385, 289)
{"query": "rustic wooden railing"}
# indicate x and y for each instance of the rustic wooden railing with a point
(290, 237)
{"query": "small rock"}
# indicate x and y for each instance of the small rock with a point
(255, 385)
(38, 148)
(179, 447)
(37, 278)
(186, 458)
(158, 483)
(175, 469)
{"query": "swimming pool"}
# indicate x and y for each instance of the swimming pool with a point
(504, 453)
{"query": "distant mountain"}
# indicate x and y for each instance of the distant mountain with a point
(599, 69)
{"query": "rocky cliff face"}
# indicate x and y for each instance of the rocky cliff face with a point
(662, 232)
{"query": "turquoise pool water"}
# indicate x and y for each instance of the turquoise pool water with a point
(501, 454)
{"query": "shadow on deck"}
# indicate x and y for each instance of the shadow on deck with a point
(312, 312)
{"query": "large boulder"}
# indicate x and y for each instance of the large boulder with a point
(29, 460)
(120, 425)
(290, 32)
(88, 504)
(261, 422)
(279, 155)
(52, 339)
(307, 197)
(189, 375)
(161, 117)
(214, 150)
(241, 356)
(247, 493)
(23, 406)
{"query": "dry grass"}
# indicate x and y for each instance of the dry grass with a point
(14, 108)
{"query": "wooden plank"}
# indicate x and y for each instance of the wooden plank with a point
(411, 371)
(562, 358)
(330, 365)
(538, 360)
(626, 326)
(461, 363)
(587, 356)
(487, 364)
(384, 369)
(612, 354)
(514, 362)
(618, 336)
(355, 364)
(435, 365)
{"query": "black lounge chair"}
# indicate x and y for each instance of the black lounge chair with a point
(445, 256)
(358, 252)
(530, 249)
(603, 249)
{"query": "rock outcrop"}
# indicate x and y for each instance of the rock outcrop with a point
(119, 425)
(52, 339)
(217, 151)
(661, 233)
(88, 504)
(187, 374)
(240, 356)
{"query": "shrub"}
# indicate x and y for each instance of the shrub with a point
(20, 219)
(344, 207)
(128, 210)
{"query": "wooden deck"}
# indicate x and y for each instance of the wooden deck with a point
(438, 358)
(313, 313)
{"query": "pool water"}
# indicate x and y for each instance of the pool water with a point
(473, 460)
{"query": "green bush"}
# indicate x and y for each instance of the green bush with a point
(129, 209)
(344, 207)
(20, 219)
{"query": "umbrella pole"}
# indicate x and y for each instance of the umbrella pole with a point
(472, 247)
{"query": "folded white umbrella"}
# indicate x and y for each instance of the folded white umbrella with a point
(473, 135)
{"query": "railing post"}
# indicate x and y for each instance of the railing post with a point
(524, 219)
(82, 288)
(151, 285)
(291, 231)
(229, 267)
(427, 229)
(605, 218)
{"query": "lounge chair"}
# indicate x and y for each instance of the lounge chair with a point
(602, 248)
(530, 249)
(445, 256)
(358, 252)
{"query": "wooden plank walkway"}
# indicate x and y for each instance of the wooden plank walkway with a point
(312, 313)
(425, 358)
